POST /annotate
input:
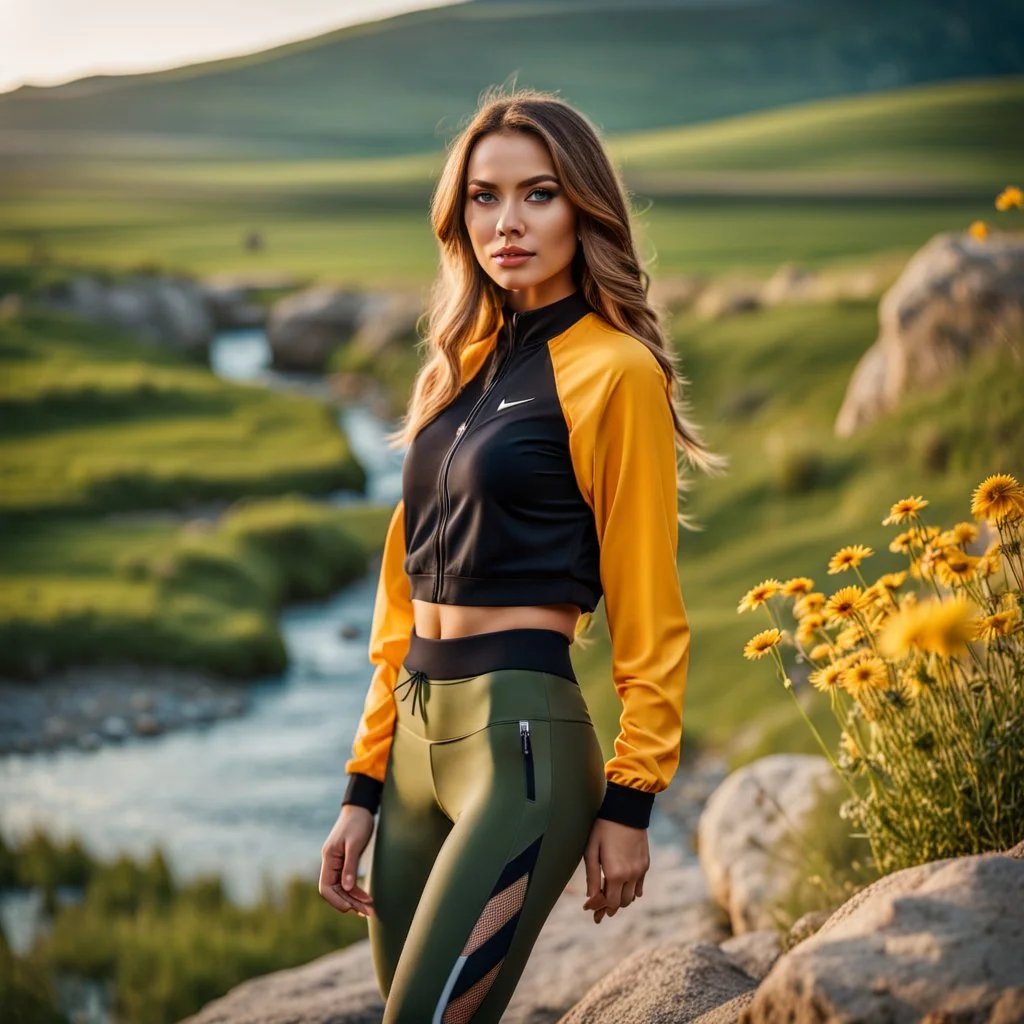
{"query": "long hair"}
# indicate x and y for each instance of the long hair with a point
(465, 304)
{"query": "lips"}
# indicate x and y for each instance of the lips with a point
(512, 250)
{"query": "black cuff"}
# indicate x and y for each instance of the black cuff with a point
(626, 805)
(363, 791)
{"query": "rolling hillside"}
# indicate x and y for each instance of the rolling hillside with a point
(402, 85)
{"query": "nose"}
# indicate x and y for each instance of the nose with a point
(510, 222)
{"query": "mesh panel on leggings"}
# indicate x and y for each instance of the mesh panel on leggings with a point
(499, 910)
(461, 1009)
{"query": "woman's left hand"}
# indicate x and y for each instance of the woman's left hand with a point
(622, 853)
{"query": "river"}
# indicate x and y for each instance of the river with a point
(250, 797)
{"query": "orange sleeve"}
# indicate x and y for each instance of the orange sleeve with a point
(389, 644)
(617, 400)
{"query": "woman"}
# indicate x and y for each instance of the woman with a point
(541, 475)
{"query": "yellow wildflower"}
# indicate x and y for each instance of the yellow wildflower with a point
(979, 231)
(991, 561)
(844, 603)
(904, 509)
(797, 585)
(758, 646)
(902, 543)
(943, 627)
(998, 497)
(827, 678)
(956, 567)
(964, 533)
(809, 626)
(1010, 196)
(848, 557)
(848, 638)
(820, 651)
(808, 604)
(892, 580)
(1001, 623)
(868, 674)
(758, 595)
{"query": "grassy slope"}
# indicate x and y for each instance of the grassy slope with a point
(796, 361)
(845, 174)
(96, 421)
(402, 85)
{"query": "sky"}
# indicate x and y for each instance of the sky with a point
(46, 42)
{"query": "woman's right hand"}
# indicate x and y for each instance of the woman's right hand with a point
(340, 861)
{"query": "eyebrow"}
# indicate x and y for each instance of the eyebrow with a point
(522, 184)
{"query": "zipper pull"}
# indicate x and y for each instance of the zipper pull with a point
(461, 427)
(524, 734)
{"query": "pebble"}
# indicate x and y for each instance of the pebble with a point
(89, 708)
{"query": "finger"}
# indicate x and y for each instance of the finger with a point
(612, 896)
(640, 885)
(628, 893)
(350, 865)
(330, 869)
(592, 864)
(344, 901)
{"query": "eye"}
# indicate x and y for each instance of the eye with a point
(547, 192)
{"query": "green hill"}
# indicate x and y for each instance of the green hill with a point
(836, 180)
(401, 85)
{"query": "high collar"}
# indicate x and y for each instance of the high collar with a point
(534, 327)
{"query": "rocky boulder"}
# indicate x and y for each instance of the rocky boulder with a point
(304, 329)
(671, 983)
(941, 942)
(957, 296)
(160, 309)
(743, 821)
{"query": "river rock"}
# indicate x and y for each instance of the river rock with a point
(305, 328)
(663, 984)
(160, 309)
(956, 297)
(744, 819)
(940, 942)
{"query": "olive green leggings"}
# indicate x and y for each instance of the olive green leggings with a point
(494, 780)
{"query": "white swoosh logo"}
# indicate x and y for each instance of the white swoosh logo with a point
(505, 404)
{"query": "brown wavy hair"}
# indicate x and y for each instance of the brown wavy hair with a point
(465, 304)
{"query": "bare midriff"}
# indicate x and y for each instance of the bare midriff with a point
(444, 621)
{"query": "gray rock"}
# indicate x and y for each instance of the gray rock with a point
(305, 328)
(755, 952)
(727, 1013)
(804, 927)
(115, 728)
(163, 309)
(741, 824)
(955, 298)
(943, 941)
(671, 983)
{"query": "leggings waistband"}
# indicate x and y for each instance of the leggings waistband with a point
(542, 650)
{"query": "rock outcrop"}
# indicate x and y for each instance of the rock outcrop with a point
(670, 983)
(160, 309)
(956, 297)
(942, 941)
(742, 823)
(304, 329)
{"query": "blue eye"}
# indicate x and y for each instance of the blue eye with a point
(549, 194)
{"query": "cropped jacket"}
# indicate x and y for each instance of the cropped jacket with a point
(550, 478)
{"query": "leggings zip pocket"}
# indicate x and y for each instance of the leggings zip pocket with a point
(524, 735)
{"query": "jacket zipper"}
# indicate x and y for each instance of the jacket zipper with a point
(524, 735)
(442, 486)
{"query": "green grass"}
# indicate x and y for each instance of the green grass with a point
(205, 596)
(168, 947)
(94, 421)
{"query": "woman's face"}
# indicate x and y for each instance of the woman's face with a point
(515, 199)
